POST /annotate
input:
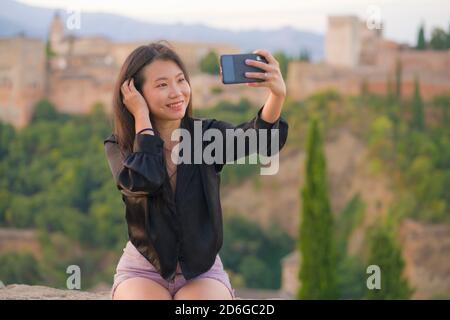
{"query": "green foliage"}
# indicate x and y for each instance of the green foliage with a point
(385, 253)
(55, 179)
(349, 218)
(439, 39)
(442, 102)
(48, 50)
(421, 43)
(417, 122)
(254, 252)
(7, 135)
(305, 55)
(19, 268)
(318, 266)
(417, 157)
(210, 63)
(390, 89)
(45, 111)
(351, 275)
(398, 79)
(351, 280)
(448, 37)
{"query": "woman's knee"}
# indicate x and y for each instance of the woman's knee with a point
(141, 289)
(203, 289)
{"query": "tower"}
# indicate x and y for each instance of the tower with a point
(342, 45)
(56, 34)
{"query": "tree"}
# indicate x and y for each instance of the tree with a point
(7, 135)
(351, 271)
(417, 121)
(398, 79)
(385, 253)
(209, 63)
(421, 43)
(254, 252)
(44, 110)
(438, 39)
(389, 89)
(19, 267)
(48, 50)
(305, 55)
(318, 268)
(443, 102)
(448, 37)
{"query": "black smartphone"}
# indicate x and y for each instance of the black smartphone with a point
(233, 67)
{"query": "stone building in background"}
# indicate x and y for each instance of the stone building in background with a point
(75, 73)
(22, 78)
(357, 57)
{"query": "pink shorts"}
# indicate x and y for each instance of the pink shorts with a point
(133, 264)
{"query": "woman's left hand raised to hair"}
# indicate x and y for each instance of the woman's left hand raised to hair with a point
(272, 76)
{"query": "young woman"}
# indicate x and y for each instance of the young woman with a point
(173, 209)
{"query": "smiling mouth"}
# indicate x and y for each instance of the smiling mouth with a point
(175, 105)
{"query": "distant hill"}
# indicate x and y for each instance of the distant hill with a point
(16, 17)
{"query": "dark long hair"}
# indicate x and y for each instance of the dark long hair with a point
(123, 120)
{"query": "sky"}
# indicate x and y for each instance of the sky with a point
(400, 18)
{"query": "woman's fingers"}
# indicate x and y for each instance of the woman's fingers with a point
(124, 88)
(258, 75)
(261, 65)
(257, 84)
(266, 54)
(131, 86)
(272, 75)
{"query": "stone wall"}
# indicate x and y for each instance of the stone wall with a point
(431, 68)
(22, 78)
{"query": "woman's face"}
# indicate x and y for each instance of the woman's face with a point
(165, 85)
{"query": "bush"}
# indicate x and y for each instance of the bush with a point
(254, 252)
(19, 268)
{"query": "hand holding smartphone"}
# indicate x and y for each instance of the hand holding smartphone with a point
(233, 68)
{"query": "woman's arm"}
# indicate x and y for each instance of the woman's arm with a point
(142, 172)
(272, 108)
(273, 80)
(238, 134)
(267, 120)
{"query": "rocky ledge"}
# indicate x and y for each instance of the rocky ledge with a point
(26, 292)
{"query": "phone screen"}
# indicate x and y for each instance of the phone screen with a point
(228, 69)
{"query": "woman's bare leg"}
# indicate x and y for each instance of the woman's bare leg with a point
(141, 289)
(203, 289)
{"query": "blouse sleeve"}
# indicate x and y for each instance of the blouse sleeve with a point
(237, 133)
(142, 172)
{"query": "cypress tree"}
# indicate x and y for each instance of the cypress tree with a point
(317, 273)
(385, 253)
(448, 37)
(438, 39)
(421, 43)
(389, 89)
(398, 79)
(210, 63)
(417, 121)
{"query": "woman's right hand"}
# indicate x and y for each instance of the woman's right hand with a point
(133, 100)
